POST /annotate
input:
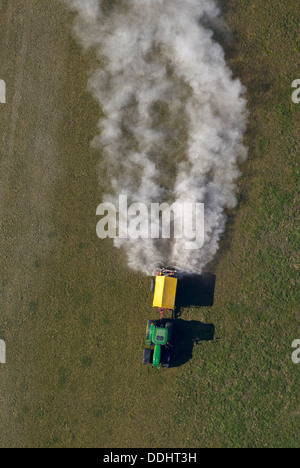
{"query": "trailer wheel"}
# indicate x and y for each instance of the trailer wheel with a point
(148, 356)
(152, 285)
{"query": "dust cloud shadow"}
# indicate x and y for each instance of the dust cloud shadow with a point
(195, 291)
(188, 334)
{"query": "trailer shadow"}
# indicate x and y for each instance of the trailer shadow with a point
(188, 334)
(195, 291)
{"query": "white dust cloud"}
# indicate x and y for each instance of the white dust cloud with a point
(173, 115)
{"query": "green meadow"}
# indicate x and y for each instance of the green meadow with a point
(71, 313)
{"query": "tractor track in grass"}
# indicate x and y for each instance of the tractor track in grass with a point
(18, 85)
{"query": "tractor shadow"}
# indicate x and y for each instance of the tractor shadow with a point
(192, 291)
(195, 291)
(188, 334)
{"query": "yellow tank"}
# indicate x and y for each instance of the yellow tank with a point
(165, 292)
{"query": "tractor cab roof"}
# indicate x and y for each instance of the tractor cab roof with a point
(160, 336)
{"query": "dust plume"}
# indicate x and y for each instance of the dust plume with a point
(173, 115)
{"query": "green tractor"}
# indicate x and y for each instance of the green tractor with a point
(158, 335)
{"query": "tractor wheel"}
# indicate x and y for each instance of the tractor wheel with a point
(166, 358)
(148, 328)
(148, 356)
(170, 327)
(152, 285)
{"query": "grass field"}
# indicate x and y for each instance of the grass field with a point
(73, 316)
